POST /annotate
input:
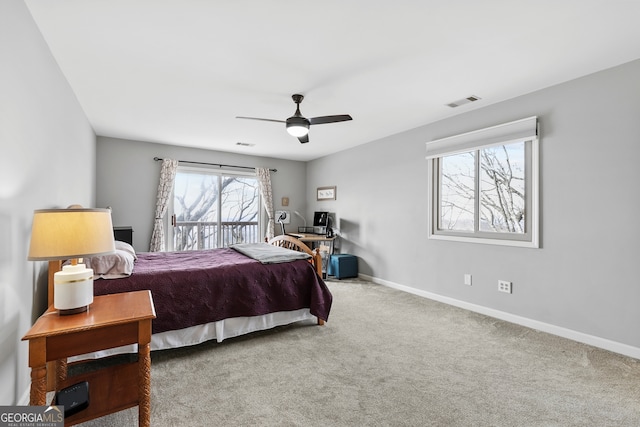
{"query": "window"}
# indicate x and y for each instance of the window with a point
(484, 185)
(213, 209)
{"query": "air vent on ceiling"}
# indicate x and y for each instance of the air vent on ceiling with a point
(463, 101)
(244, 144)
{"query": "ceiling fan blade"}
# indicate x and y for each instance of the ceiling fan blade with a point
(329, 119)
(257, 118)
(303, 139)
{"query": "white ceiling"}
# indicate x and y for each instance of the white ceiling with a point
(180, 71)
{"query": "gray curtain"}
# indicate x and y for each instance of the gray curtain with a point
(264, 178)
(167, 177)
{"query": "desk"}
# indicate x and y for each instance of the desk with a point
(314, 238)
(311, 240)
(111, 321)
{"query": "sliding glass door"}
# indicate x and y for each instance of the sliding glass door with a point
(213, 209)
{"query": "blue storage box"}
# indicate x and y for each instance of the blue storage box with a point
(343, 265)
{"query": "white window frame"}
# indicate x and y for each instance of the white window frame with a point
(508, 133)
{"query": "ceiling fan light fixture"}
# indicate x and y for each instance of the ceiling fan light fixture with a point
(297, 126)
(297, 130)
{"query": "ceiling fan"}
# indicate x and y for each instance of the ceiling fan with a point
(298, 125)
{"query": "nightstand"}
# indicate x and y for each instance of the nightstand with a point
(111, 321)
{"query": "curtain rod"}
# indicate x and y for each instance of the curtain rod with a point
(157, 159)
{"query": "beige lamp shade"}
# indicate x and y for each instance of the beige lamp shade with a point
(70, 233)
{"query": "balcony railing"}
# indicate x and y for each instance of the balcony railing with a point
(195, 235)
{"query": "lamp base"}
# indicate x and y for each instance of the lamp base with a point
(73, 289)
(68, 311)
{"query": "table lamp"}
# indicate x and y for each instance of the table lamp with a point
(70, 234)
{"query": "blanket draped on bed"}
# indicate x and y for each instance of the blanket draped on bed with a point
(198, 287)
(269, 254)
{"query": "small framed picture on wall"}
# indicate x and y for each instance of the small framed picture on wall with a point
(326, 193)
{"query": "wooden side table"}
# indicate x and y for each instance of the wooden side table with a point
(111, 321)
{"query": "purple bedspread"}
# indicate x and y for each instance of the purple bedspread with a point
(197, 287)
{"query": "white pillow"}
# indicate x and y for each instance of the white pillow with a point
(124, 246)
(111, 266)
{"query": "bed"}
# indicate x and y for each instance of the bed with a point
(218, 293)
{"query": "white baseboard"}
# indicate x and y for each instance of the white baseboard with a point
(602, 343)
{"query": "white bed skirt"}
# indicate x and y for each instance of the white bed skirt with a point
(221, 330)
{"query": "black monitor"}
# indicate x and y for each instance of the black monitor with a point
(320, 219)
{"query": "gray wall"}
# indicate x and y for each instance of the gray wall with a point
(48, 161)
(127, 180)
(584, 276)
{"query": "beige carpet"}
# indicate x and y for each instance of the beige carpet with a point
(387, 358)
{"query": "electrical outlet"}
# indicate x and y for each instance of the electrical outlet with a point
(286, 219)
(467, 279)
(504, 286)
